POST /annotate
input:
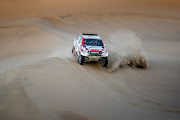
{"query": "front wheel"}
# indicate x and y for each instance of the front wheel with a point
(81, 60)
(104, 62)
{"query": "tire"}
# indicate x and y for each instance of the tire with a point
(81, 60)
(104, 62)
(73, 51)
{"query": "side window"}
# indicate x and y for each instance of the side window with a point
(80, 40)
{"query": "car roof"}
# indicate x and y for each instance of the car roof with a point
(91, 36)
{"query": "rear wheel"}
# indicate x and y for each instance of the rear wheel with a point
(104, 62)
(81, 60)
(73, 51)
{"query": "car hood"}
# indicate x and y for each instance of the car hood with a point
(95, 48)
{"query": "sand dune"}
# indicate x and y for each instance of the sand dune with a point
(16, 8)
(40, 79)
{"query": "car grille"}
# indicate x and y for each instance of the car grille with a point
(91, 53)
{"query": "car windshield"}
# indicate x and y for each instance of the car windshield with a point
(93, 42)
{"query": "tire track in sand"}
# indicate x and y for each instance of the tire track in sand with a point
(119, 90)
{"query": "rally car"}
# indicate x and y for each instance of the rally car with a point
(90, 47)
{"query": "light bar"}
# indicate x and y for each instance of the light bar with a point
(89, 34)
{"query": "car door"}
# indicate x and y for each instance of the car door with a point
(79, 43)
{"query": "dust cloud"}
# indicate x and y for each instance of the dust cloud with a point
(126, 49)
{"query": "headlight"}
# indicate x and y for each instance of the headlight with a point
(84, 49)
(104, 51)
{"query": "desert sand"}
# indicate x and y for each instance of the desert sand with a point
(40, 78)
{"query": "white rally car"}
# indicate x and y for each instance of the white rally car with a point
(90, 47)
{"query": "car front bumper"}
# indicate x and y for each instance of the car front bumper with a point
(93, 58)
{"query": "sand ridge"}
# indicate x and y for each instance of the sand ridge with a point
(58, 83)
